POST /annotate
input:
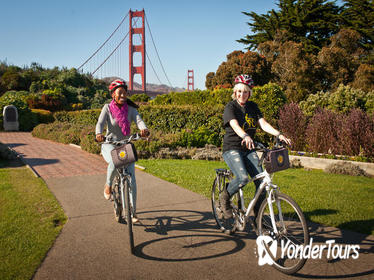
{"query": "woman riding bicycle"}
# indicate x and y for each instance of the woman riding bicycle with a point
(240, 120)
(118, 116)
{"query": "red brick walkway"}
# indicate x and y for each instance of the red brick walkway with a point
(50, 159)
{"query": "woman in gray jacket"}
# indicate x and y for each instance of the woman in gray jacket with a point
(118, 116)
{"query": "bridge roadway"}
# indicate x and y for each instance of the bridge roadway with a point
(176, 238)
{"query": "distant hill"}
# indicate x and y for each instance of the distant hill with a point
(150, 87)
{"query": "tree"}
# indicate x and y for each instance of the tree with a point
(209, 81)
(295, 70)
(310, 22)
(359, 15)
(13, 80)
(341, 59)
(237, 63)
(364, 78)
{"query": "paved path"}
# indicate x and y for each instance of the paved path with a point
(176, 239)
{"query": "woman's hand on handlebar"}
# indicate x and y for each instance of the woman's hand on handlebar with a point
(285, 139)
(248, 142)
(144, 133)
(100, 138)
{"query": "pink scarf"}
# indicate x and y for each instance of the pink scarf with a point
(120, 115)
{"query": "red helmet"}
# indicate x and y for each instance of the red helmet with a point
(245, 79)
(116, 84)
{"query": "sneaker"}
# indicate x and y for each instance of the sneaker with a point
(107, 192)
(224, 200)
(134, 219)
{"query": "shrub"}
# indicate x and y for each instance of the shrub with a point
(269, 98)
(83, 117)
(198, 138)
(140, 97)
(357, 134)
(181, 98)
(87, 140)
(292, 122)
(343, 99)
(52, 100)
(346, 168)
(322, 132)
(207, 97)
(171, 119)
(52, 131)
(71, 135)
(67, 133)
(369, 104)
(43, 116)
(314, 102)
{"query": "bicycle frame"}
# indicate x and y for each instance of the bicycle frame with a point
(271, 190)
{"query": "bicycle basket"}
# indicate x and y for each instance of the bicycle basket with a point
(277, 160)
(124, 155)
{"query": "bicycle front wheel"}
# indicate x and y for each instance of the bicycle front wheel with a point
(117, 201)
(291, 233)
(129, 214)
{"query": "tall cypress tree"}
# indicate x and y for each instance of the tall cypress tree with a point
(359, 15)
(311, 22)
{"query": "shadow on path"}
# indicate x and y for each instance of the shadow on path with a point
(40, 161)
(204, 243)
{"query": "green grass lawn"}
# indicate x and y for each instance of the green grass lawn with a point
(341, 201)
(30, 220)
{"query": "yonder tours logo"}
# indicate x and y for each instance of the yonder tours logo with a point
(290, 250)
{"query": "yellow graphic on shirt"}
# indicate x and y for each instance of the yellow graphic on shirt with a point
(249, 123)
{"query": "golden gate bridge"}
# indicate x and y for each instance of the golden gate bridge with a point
(110, 58)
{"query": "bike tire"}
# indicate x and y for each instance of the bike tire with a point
(128, 215)
(227, 226)
(117, 201)
(296, 231)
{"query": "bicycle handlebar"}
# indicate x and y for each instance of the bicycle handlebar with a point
(132, 137)
(261, 148)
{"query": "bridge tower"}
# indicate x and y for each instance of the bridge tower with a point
(190, 80)
(136, 48)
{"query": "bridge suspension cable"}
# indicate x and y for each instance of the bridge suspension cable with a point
(111, 35)
(106, 59)
(149, 60)
(117, 51)
(163, 69)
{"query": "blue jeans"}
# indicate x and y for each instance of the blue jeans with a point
(112, 172)
(241, 164)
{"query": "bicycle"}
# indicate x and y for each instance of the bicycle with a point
(279, 217)
(121, 192)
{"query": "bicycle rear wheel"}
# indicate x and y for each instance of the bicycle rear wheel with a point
(129, 214)
(227, 226)
(292, 233)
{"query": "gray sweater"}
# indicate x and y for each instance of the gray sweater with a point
(114, 131)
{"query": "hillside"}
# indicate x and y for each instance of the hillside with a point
(151, 87)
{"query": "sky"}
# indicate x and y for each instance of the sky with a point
(188, 35)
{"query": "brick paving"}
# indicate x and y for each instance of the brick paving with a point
(50, 159)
